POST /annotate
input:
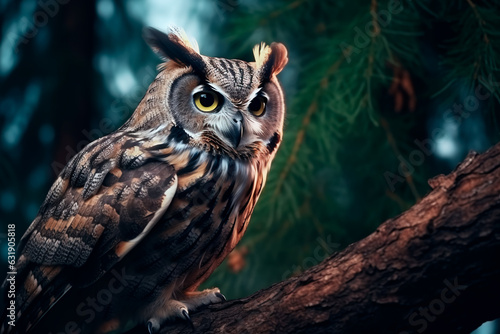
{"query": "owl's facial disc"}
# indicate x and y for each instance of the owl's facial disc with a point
(221, 114)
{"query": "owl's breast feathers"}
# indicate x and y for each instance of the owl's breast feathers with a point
(216, 194)
(174, 209)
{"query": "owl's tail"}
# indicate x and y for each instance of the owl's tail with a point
(22, 308)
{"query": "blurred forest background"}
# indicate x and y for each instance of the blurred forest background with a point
(382, 95)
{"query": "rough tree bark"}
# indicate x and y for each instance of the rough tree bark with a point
(433, 269)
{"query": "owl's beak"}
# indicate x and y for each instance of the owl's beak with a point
(235, 131)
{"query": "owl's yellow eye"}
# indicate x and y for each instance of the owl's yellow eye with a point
(258, 106)
(206, 101)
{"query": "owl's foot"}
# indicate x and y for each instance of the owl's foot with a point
(196, 299)
(173, 309)
(180, 309)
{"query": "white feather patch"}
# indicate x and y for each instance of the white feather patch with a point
(126, 246)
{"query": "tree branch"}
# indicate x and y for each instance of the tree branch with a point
(433, 269)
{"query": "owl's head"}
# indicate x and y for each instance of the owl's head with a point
(223, 105)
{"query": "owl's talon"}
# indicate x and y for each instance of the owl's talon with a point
(153, 326)
(186, 316)
(221, 296)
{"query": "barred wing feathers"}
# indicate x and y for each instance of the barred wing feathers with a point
(104, 202)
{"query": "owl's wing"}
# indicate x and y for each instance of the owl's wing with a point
(103, 203)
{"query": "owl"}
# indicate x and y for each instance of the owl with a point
(138, 219)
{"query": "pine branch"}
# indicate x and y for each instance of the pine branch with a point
(392, 142)
(313, 107)
(280, 11)
(472, 54)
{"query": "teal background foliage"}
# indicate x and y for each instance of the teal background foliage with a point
(381, 94)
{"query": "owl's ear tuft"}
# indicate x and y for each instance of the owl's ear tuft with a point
(175, 46)
(270, 59)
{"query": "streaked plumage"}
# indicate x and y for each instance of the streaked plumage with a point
(145, 214)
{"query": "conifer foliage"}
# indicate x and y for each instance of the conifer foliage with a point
(382, 95)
